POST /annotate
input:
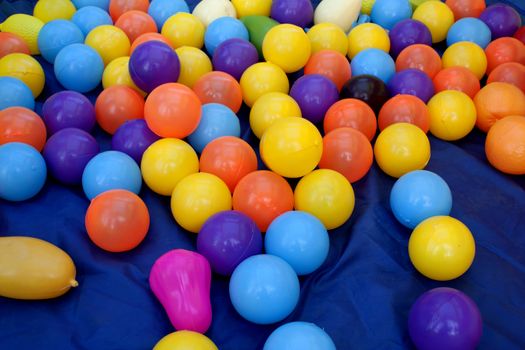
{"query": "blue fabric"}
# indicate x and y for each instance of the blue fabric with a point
(361, 295)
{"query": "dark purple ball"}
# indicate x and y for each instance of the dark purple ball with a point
(152, 64)
(367, 88)
(502, 20)
(68, 109)
(234, 56)
(132, 138)
(67, 152)
(298, 12)
(315, 94)
(408, 32)
(445, 318)
(227, 238)
(412, 82)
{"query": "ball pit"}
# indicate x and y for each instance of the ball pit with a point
(502, 20)
(109, 41)
(181, 339)
(208, 11)
(457, 78)
(466, 8)
(219, 87)
(68, 109)
(78, 67)
(437, 16)
(116, 105)
(49, 10)
(89, 17)
(162, 10)
(327, 36)
(222, 29)
(135, 23)
(119, 7)
(504, 145)
(184, 29)
(117, 73)
(411, 82)
(194, 63)
(25, 26)
(510, 72)
(25, 68)
(330, 64)
(314, 94)
(13, 93)
(19, 124)
(57, 34)
(257, 27)
(234, 56)
(297, 12)
(387, 13)
(353, 113)
(367, 88)
(404, 109)
(408, 32)
(419, 56)
(12, 43)
(367, 36)
(504, 50)
(287, 46)
(252, 8)
(133, 137)
(469, 29)
(262, 78)
(269, 108)
(141, 39)
(299, 335)
(102, 4)
(468, 55)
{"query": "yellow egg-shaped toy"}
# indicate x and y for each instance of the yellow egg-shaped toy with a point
(109, 41)
(194, 63)
(401, 148)
(328, 36)
(25, 68)
(209, 10)
(184, 29)
(452, 115)
(48, 10)
(270, 107)
(366, 7)
(33, 269)
(185, 340)
(437, 16)
(262, 78)
(197, 197)
(287, 46)
(367, 36)
(25, 26)
(441, 248)
(117, 73)
(252, 8)
(466, 54)
(327, 195)
(340, 12)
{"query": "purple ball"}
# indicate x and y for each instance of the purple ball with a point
(152, 64)
(67, 152)
(315, 94)
(298, 12)
(445, 318)
(68, 109)
(234, 56)
(408, 32)
(132, 138)
(228, 238)
(502, 20)
(412, 82)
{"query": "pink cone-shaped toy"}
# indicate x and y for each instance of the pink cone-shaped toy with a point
(181, 280)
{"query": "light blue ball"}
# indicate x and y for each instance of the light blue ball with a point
(264, 289)
(22, 171)
(103, 4)
(14, 93)
(387, 13)
(299, 336)
(469, 29)
(222, 29)
(90, 17)
(57, 34)
(217, 120)
(374, 62)
(419, 195)
(161, 10)
(111, 170)
(78, 67)
(300, 239)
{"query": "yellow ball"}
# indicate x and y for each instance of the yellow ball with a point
(437, 16)
(262, 78)
(328, 36)
(25, 26)
(252, 8)
(109, 41)
(466, 54)
(367, 6)
(327, 195)
(117, 73)
(452, 115)
(185, 340)
(166, 162)
(25, 68)
(287, 46)
(184, 29)
(193, 64)
(196, 198)
(270, 107)
(367, 36)
(291, 147)
(401, 148)
(48, 10)
(441, 248)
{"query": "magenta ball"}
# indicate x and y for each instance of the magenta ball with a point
(298, 12)
(502, 20)
(68, 109)
(133, 138)
(408, 32)
(315, 94)
(234, 56)
(412, 82)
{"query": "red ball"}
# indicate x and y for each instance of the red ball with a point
(353, 113)
(116, 105)
(504, 50)
(404, 109)
(520, 34)
(135, 23)
(457, 78)
(331, 64)
(510, 72)
(19, 124)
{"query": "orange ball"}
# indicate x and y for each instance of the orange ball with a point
(505, 145)
(230, 158)
(263, 196)
(141, 39)
(457, 78)
(135, 23)
(172, 110)
(331, 64)
(504, 50)
(496, 101)
(353, 113)
(19, 124)
(117, 220)
(12, 43)
(219, 87)
(118, 7)
(348, 152)
(419, 56)
(404, 109)
(466, 8)
(116, 105)
(510, 72)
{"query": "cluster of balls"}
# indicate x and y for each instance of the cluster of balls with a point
(173, 82)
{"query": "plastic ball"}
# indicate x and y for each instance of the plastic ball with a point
(12, 43)
(228, 238)
(252, 8)
(180, 340)
(133, 138)
(264, 289)
(67, 153)
(184, 29)
(194, 63)
(298, 336)
(351, 113)
(257, 27)
(457, 78)
(287, 46)
(520, 34)
(119, 7)
(230, 158)
(441, 248)
(13, 93)
(330, 64)
(222, 29)
(56, 35)
(25, 26)
(219, 87)
(374, 62)
(401, 148)
(366, 36)
(89, 17)
(466, 8)
(208, 11)
(116, 105)
(419, 56)
(408, 32)
(196, 198)
(269, 108)
(412, 82)
(366, 6)
(419, 195)
(78, 67)
(327, 195)
(502, 20)
(143, 38)
(510, 72)
(117, 73)
(19, 124)
(68, 109)
(437, 16)
(22, 171)
(468, 55)
(135, 23)
(367, 88)
(504, 50)
(315, 94)
(109, 41)
(469, 29)
(49, 10)
(505, 144)
(165, 162)
(161, 10)
(297, 12)
(172, 110)
(234, 56)
(328, 36)
(102, 4)
(404, 109)
(387, 13)
(110, 170)
(25, 68)
(262, 78)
